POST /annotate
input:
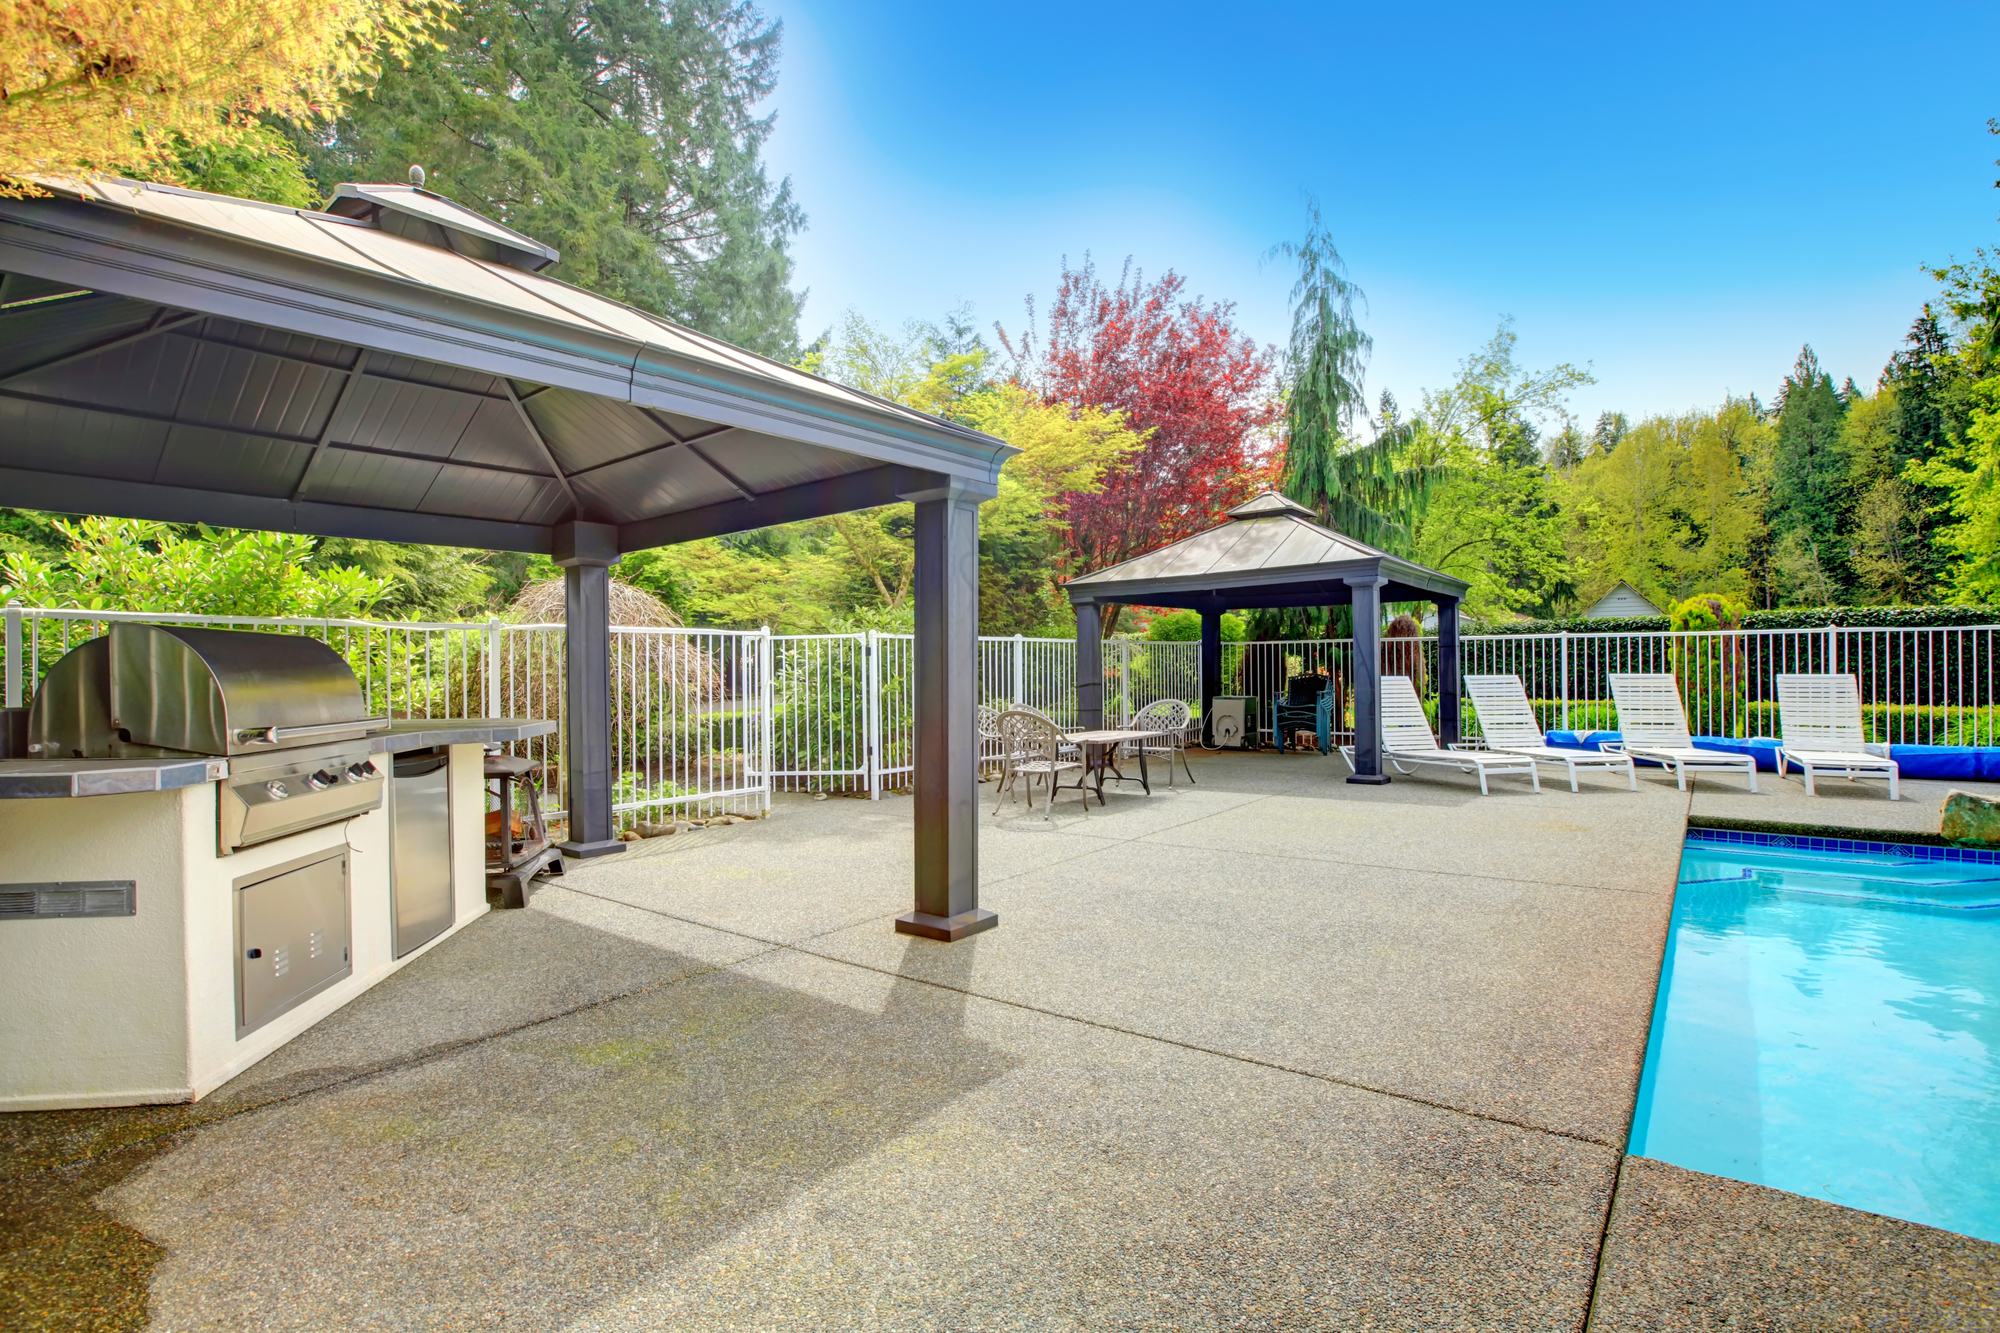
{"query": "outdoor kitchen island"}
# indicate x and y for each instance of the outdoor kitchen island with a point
(169, 919)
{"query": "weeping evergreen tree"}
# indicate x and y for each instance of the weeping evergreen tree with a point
(1358, 489)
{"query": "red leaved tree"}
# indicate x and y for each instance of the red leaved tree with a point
(1176, 367)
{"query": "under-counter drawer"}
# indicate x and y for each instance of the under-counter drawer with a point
(292, 936)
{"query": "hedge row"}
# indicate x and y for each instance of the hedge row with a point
(1818, 617)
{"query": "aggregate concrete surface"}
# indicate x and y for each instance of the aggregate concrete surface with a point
(1262, 1051)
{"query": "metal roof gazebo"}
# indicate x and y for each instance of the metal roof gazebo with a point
(1272, 552)
(397, 367)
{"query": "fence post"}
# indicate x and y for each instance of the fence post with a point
(493, 667)
(1565, 679)
(1020, 669)
(13, 653)
(872, 731)
(766, 721)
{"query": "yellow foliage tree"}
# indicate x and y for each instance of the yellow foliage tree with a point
(94, 88)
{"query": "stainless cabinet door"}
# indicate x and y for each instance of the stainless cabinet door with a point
(292, 939)
(420, 824)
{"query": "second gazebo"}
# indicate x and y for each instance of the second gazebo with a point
(1273, 552)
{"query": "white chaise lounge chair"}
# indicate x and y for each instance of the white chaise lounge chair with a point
(1407, 738)
(1819, 718)
(1653, 725)
(1510, 726)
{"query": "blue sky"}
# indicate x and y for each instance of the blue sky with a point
(1678, 195)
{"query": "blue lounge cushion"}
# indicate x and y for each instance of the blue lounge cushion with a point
(1763, 748)
(1965, 763)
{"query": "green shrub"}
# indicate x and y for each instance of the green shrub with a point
(1818, 617)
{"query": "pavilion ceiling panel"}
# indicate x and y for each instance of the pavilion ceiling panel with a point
(634, 488)
(631, 488)
(495, 435)
(79, 441)
(35, 334)
(276, 342)
(348, 477)
(145, 376)
(387, 365)
(585, 431)
(766, 463)
(510, 496)
(406, 418)
(685, 427)
(238, 389)
(202, 457)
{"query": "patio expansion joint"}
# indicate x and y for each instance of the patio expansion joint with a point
(798, 948)
(1603, 1243)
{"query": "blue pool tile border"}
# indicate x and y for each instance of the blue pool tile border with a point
(1805, 843)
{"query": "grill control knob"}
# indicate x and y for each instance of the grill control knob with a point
(277, 791)
(360, 772)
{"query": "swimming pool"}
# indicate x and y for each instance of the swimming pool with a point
(1829, 1023)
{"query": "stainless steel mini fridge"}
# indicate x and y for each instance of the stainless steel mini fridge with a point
(420, 827)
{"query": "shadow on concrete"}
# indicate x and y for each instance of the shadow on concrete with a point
(535, 1175)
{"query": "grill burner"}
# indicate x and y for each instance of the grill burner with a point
(285, 710)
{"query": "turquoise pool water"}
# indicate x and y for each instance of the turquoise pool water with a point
(1829, 1023)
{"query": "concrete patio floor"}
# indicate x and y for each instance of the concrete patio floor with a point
(1267, 1051)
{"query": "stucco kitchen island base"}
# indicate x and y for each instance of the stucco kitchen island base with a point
(130, 1009)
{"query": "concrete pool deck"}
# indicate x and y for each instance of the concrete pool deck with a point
(1267, 1051)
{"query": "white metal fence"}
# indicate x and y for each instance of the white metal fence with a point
(707, 719)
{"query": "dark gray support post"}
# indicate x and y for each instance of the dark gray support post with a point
(1211, 671)
(1089, 666)
(1448, 710)
(1368, 681)
(586, 552)
(947, 776)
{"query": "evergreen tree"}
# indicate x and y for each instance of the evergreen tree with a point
(622, 132)
(1924, 376)
(1921, 373)
(1358, 489)
(1612, 427)
(1809, 500)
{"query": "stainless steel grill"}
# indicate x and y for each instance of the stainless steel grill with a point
(285, 710)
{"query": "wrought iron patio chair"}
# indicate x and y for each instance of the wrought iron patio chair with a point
(986, 724)
(1031, 747)
(1065, 748)
(1168, 720)
(1308, 702)
(1819, 717)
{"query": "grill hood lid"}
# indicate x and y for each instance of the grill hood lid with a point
(215, 691)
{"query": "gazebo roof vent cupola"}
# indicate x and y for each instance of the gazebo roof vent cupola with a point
(1272, 504)
(417, 214)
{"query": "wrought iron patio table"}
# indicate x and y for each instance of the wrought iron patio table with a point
(1099, 749)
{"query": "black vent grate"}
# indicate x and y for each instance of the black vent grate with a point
(86, 897)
